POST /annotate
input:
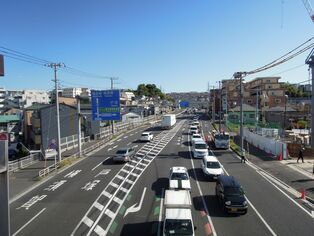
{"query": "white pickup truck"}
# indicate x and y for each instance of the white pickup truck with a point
(177, 213)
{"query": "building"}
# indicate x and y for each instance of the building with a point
(127, 98)
(26, 98)
(249, 115)
(73, 92)
(2, 100)
(10, 124)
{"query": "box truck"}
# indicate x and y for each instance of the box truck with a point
(168, 121)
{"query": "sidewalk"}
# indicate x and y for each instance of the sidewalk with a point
(23, 179)
(297, 175)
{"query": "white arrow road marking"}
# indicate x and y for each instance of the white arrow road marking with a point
(90, 185)
(103, 172)
(72, 173)
(133, 209)
(55, 185)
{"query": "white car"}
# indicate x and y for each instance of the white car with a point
(199, 149)
(193, 129)
(196, 137)
(211, 167)
(147, 136)
(179, 178)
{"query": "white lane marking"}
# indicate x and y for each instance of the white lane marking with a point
(72, 173)
(101, 163)
(201, 193)
(28, 222)
(32, 201)
(115, 147)
(99, 230)
(103, 172)
(256, 211)
(135, 146)
(129, 143)
(125, 137)
(90, 185)
(88, 221)
(135, 208)
(109, 149)
(131, 135)
(118, 140)
(160, 211)
(55, 185)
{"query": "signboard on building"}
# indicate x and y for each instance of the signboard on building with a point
(1, 65)
(106, 104)
(184, 104)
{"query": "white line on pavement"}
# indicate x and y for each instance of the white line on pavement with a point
(129, 143)
(101, 163)
(160, 210)
(201, 193)
(256, 211)
(115, 147)
(28, 222)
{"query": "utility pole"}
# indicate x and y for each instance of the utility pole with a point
(214, 107)
(55, 66)
(112, 122)
(220, 102)
(310, 61)
(256, 111)
(239, 75)
(79, 133)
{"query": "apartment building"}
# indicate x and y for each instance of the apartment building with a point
(73, 92)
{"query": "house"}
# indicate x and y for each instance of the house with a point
(10, 124)
(249, 114)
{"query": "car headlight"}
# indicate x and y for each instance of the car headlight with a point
(228, 203)
(244, 203)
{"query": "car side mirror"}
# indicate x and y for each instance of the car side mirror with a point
(195, 228)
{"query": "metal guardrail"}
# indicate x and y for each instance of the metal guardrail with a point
(105, 139)
(47, 170)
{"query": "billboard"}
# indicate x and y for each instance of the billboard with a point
(184, 104)
(106, 104)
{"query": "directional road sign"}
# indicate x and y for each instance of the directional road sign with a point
(106, 104)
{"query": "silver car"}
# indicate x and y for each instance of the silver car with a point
(124, 154)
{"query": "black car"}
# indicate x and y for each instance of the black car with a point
(13, 155)
(231, 195)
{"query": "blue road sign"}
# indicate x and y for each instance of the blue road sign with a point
(184, 104)
(106, 104)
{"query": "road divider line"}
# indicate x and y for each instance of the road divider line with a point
(100, 163)
(201, 193)
(256, 211)
(28, 222)
(160, 212)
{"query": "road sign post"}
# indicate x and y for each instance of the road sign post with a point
(4, 187)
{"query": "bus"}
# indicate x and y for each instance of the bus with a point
(222, 140)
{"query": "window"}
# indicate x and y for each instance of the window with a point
(252, 116)
(277, 101)
(249, 101)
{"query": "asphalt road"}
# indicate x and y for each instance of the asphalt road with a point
(98, 196)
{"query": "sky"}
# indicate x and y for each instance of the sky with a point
(179, 45)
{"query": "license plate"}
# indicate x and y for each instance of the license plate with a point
(233, 209)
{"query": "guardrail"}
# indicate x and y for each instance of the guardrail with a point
(47, 170)
(105, 139)
(24, 162)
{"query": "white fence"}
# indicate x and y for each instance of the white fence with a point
(24, 162)
(271, 146)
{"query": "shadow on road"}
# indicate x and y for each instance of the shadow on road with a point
(159, 184)
(145, 228)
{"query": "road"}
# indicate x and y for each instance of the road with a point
(97, 196)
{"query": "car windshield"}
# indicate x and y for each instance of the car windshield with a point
(213, 165)
(193, 128)
(233, 191)
(121, 151)
(178, 176)
(144, 134)
(200, 146)
(222, 136)
(197, 136)
(178, 227)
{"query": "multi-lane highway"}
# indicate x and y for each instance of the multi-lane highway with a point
(99, 197)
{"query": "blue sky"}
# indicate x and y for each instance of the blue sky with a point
(179, 45)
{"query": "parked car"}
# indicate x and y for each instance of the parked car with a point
(231, 195)
(147, 136)
(199, 149)
(211, 167)
(124, 154)
(179, 178)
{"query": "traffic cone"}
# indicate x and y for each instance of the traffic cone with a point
(302, 194)
(280, 157)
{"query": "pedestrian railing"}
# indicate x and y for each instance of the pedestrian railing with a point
(24, 162)
(48, 170)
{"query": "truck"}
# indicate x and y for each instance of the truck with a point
(168, 121)
(177, 213)
(222, 140)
